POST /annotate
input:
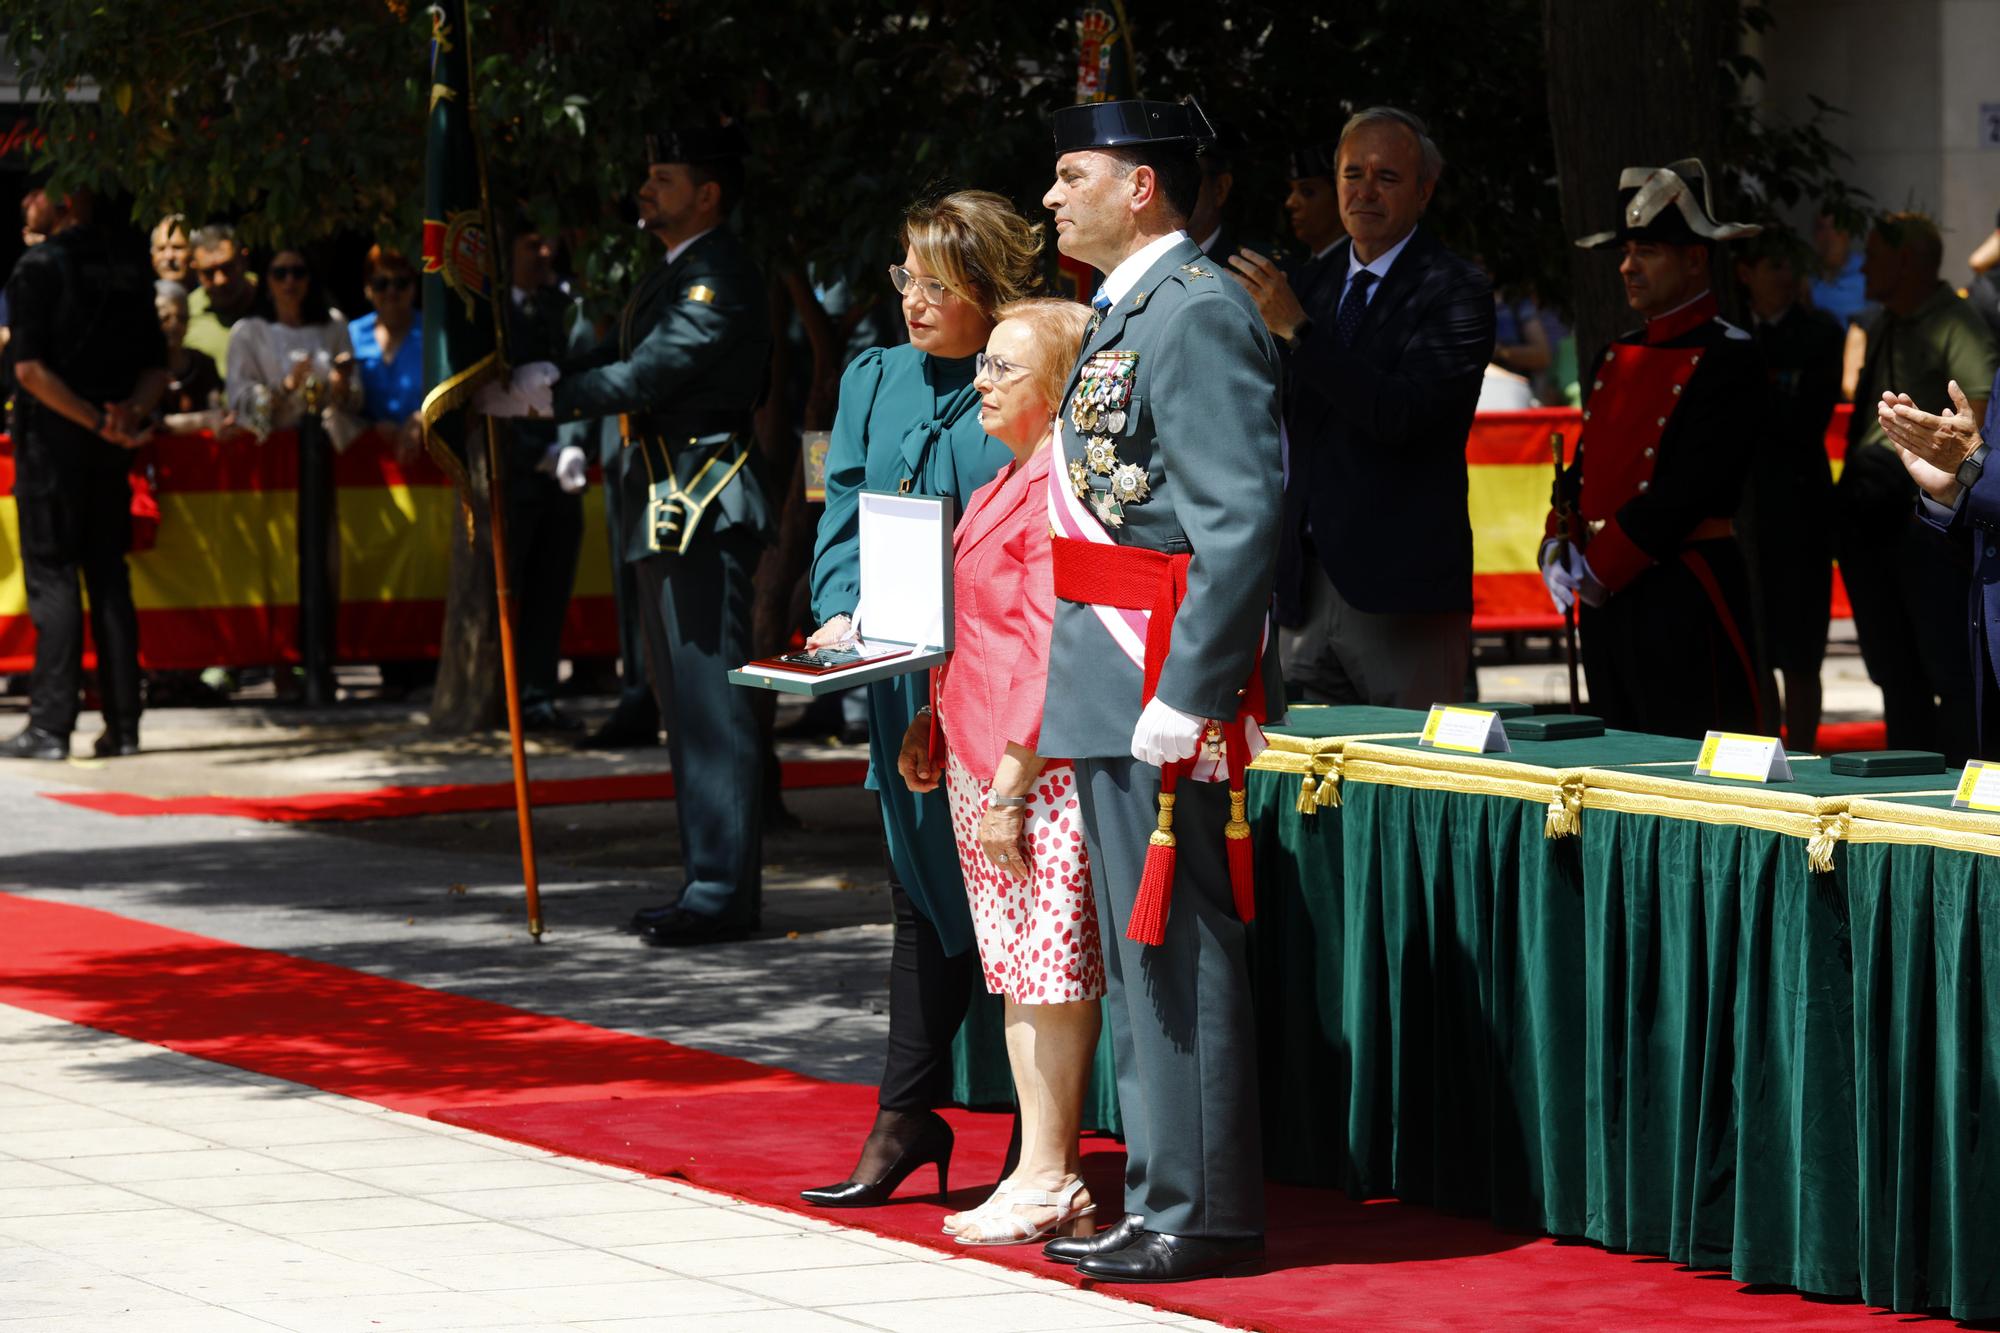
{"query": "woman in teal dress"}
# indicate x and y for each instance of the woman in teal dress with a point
(908, 420)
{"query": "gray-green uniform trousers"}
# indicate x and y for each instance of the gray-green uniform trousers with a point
(1200, 420)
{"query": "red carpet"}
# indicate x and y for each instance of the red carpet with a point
(761, 1134)
(448, 799)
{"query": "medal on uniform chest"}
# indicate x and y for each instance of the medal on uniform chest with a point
(1079, 480)
(1128, 484)
(1109, 512)
(1098, 411)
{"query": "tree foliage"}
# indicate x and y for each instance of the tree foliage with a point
(304, 121)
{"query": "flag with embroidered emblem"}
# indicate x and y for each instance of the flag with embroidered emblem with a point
(463, 340)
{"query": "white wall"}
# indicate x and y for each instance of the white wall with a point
(1911, 75)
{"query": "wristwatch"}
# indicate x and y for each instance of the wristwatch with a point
(1010, 802)
(1974, 464)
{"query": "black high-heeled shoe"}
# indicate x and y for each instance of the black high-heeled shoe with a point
(930, 1144)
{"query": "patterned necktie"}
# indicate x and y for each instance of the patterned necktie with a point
(1352, 306)
(1102, 305)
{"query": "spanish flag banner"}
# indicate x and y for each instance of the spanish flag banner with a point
(463, 340)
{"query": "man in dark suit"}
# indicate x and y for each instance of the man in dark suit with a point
(1380, 402)
(1946, 455)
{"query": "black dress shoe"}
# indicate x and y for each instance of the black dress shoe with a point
(625, 729)
(544, 716)
(34, 743)
(681, 930)
(1074, 1249)
(917, 1140)
(114, 743)
(647, 917)
(1154, 1256)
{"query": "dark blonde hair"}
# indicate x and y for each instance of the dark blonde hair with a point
(977, 245)
(384, 259)
(1056, 332)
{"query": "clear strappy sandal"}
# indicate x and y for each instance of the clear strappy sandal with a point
(999, 1224)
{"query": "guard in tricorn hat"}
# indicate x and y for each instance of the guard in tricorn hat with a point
(682, 370)
(1165, 499)
(1642, 532)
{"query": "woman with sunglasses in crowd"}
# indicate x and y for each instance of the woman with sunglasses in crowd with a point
(389, 349)
(908, 420)
(292, 354)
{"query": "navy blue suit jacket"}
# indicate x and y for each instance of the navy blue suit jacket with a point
(1378, 434)
(1979, 511)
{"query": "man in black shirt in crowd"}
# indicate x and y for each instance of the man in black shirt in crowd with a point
(91, 363)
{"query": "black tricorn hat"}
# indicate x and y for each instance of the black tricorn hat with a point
(1130, 124)
(1670, 204)
(695, 143)
(1312, 159)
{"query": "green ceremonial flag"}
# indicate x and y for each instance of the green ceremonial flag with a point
(463, 343)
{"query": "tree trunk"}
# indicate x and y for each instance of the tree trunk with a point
(1632, 84)
(470, 694)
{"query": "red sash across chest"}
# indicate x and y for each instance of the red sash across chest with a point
(1636, 391)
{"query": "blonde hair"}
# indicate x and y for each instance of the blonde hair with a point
(977, 245)
(1055, 332)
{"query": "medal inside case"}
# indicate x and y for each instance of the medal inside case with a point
(903, 622)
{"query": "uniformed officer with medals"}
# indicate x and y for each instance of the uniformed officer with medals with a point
(1164, 504)
(1642, 531)
(684, 367)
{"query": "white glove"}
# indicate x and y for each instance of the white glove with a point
(526, 394)
(1569, 576)
(1165, 734)
(1557, 573)
(566, 463)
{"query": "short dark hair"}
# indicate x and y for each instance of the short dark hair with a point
(727, 173)
(1176, 167)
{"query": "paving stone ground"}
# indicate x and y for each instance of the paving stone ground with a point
(144, 1190)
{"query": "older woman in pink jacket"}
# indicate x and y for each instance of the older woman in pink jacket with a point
(1020, 839)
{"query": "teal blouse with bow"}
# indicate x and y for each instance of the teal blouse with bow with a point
(904, 416)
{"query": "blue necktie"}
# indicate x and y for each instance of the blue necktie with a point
(1352, 307)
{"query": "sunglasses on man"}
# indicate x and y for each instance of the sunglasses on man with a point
(384, 282)
(290, 272)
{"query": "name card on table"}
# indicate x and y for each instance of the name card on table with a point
(1466, 730)
(1731, 754)
(1979, 789)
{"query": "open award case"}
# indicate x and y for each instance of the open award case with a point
(903, 620)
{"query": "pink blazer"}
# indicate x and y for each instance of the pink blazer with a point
(1003, 603)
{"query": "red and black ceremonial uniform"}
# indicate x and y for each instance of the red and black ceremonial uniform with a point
(1672, 416)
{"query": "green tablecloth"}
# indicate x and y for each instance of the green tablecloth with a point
(1665, 1030)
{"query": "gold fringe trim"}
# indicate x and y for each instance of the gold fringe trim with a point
(1829, 830)
(1318, 760)
(1565, 817)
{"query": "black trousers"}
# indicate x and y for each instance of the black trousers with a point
(1660, 655)
(928, 995)
(75, 530)
(544, 534)
(1908, 584)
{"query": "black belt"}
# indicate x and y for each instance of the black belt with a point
(682, 428)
